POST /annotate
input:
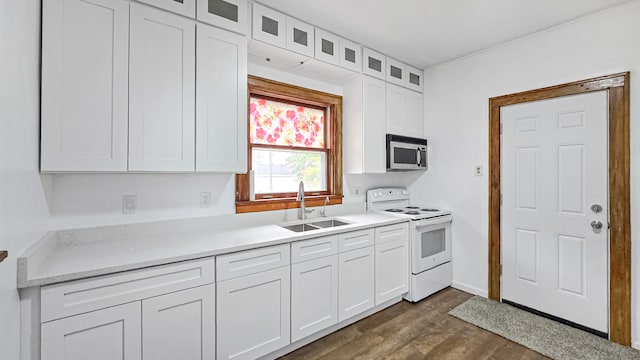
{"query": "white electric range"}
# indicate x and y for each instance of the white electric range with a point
(429, 240)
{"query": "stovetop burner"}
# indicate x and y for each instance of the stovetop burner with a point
(430, 210)
(395, 210)
(412, 207)
(412, 213)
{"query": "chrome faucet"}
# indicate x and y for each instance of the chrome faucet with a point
(300, 197)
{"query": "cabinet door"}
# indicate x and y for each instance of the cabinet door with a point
(414, 79)
(396, 72)
(374, 109)
(227, 14)
(221, 102)
(253, 314)
(414, 112)
(180, 325)
(392, 269)
(183, 7)
(85, 54)
(355, 282)
(162, 91)
(327, 47)
(300, 37)
(374, 64)
(396, 112)
(350, 55)
(109, 334)
(314, 296)
(269, 26)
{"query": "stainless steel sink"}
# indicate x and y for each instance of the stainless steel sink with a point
(316, 225)
(301, 227)
(329, 223)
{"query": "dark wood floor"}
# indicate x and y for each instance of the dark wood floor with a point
(415, 331)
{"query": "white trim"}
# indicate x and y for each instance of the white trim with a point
(636, 345)
(470, 289)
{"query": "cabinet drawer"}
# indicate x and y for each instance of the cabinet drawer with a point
(392, 233)
(313, 248)
(66, 299)
(355, 240)
(252, 261)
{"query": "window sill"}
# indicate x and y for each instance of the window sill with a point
(284, 203)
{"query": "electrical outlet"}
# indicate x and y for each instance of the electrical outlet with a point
(358, 190)
(205, 199)
(129, 203)
(477, 170)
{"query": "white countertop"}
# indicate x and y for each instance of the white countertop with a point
(79, 253)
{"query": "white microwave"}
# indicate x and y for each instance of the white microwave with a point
(406, 153)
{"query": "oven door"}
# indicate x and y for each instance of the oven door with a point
(430, 243)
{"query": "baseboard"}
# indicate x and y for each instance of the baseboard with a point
(470, 289)
(636, 345)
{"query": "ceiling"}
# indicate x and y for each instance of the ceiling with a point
(424, 33)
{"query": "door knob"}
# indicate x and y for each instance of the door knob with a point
(596, 225)
(596, 208)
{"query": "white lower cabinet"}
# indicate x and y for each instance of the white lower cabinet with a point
(314, 296)
(253, 314)
(179, 325)
(392, 270)
(392, 261)
(355, 282)
(109, 334)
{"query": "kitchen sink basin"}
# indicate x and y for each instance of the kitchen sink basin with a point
(316, 225)
(301, 227)
(329, 223)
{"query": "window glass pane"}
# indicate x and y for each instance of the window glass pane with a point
(300, 36)
(375, 64)
(277, 123)
(396, 72)
(327, 47)
(414, 79)
(269, 26)
(349, 55)
(278, 171)
(225, 9)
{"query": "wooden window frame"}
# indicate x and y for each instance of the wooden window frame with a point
(619, 191)
(278, 91)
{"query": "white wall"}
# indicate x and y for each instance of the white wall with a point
(456, 113)
(23, 211)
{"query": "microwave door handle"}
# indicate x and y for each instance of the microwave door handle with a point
(418, 157)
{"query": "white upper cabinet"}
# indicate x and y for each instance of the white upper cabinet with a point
(414, 79)
(269, 26)
(405, 112)
(350, 55)
(327, 47)
(300, 37)
(183, 7)
(228, 14)
(221, 101)
(374, 64)
(364, 124)
(161, 91)
(85, 52)
(396, 72)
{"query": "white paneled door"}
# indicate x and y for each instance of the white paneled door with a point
(554, 221)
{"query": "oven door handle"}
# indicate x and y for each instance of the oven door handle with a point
(433, 221)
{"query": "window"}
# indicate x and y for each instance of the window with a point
(294, 135)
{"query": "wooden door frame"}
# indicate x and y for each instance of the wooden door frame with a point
(619, 191)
